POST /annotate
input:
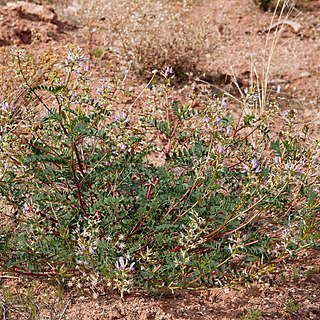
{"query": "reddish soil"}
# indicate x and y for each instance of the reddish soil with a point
(293, 293)
(275, 299)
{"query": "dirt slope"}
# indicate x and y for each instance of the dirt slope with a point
(239, 24)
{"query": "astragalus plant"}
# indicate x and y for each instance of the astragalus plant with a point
(84, 194)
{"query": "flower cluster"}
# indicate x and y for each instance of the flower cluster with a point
(75, 61)
(253, 167)
(123, 279)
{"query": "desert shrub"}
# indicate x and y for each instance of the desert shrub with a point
(263, 4)
(86, 198)
(152, 34)
(277, 4)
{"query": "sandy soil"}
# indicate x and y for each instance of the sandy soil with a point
(294, 293)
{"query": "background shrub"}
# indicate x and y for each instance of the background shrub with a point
(152, 34)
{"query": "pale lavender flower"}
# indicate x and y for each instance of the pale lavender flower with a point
(276, 160)
(5, 106)
(122, 264)
(75, 59)
(289, 166)
(246, 168)
(91, 251)
(69, 57)
(229, 130)
(217, 121)
(102, 89)
(220, 148)
(255, 166)
(131, 267)
(25, 208)
(254, 163)
(225, 103)
(169, 71)
(122, 117)
(81, 248)
(300, 167)
(258, 169)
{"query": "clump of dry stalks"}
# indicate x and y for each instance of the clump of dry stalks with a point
(151, 34)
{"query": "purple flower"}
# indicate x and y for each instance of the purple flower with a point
(25, 208)
(289, 114)
(122, 263)
(5, 106)
(255, 166)
(69, 57)
(254, 163)
(220, 148)
(217, 121)
(246, 168)
(91, 251)
(81, 249)
(229, 130)
(102, 89)
(258, 169)
(289, 166)
(75, 59)
(256, 97)
(131, 267)
(225, 103)
(169, 71)
(122, 117)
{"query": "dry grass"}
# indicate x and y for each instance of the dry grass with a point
(150, 34)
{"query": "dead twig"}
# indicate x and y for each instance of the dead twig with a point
(294, 25)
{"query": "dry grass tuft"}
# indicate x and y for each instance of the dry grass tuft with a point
(151, 34)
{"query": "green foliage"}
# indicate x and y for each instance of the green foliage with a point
(252, 314)
(97, 52)
(263, 4)
(88, 196)
(291, 305)
(279, 5)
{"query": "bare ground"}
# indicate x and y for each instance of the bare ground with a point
(291, 293)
